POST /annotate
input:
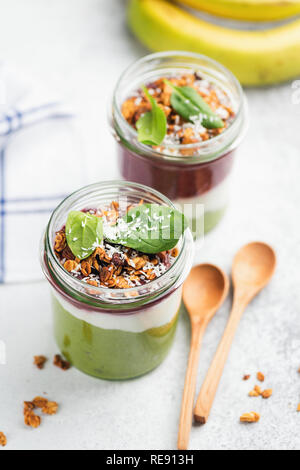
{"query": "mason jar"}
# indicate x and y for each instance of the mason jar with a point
(192, 175)
(114, 333)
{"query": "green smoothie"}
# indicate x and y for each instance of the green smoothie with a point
(110, 354)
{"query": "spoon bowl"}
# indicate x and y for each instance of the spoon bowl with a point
(254, 265)
(204, 291)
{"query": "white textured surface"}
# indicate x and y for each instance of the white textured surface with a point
(81, 47)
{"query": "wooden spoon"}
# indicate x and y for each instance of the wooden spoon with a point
(253, 268)
(204, 292)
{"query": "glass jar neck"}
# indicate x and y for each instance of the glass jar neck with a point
(169, 64)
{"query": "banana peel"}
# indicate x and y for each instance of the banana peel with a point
(255, 57)
(248, 10)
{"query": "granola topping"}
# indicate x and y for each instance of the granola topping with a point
(113, 266)
(179, 131)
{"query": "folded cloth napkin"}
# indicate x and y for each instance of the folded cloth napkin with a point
(40, 163)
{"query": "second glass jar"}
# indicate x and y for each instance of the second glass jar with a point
(199, 181)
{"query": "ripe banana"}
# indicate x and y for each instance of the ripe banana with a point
(255, 57)
(248, 10)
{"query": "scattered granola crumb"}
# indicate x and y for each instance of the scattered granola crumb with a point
(3, 440)
(40, 361)
(39, 402)
(250, 417)
(253, 393)
(256, 392)
(246, 377)
(61, 363)
(31, 419)
(50, 408)
(267, 393)
(28, 406)
(260, 377)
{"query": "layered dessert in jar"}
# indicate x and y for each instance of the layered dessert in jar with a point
(178, 118)
(116, 255)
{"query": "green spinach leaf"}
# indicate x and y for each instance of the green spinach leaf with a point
(152, 126)
(84, 233)
(150, 228)
(190, 105)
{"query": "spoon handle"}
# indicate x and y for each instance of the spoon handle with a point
(186, 417)
(210, 386)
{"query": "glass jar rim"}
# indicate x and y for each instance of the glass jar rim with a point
(234, 133)
(56, 274)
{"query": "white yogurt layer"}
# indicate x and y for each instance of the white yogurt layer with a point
(160, 314)
(211, 201)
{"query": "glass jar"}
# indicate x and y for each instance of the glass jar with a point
(114, 333)
(202, 176)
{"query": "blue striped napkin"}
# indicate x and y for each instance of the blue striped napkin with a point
(40, 163)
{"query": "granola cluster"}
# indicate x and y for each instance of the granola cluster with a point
(113, 266)
(179, 131)
(59, 362)
(39, 361)
(31, 419)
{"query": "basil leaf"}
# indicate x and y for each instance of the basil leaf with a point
(152, 126)
(150, 228)
(190, 105)
(84, 233)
